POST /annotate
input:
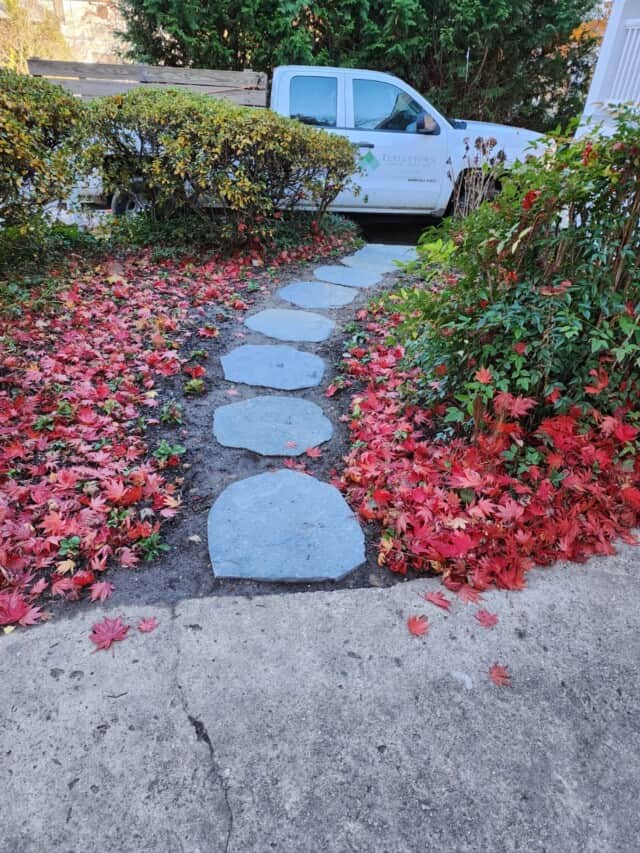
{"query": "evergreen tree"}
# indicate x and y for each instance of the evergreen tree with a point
(518, 61)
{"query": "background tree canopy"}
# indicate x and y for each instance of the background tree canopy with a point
(529, 61)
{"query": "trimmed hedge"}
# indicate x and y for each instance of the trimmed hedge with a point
(38, 121)
(182, 151)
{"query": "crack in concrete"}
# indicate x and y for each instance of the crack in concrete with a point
(203, 735)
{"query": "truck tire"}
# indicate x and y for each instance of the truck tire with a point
(124, 203)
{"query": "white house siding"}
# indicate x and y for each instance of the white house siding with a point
(616, 79)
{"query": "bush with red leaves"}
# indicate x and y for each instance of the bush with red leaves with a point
(462, 507)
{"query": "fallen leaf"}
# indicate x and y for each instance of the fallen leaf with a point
(486, 619)
(101, 590)
(438, 599)
(468, 594)
(148, 624)
(418, 625)
(313, 452)
(500, 675)
(109, 631)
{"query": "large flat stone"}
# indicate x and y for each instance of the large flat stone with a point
(273, 366)
(347, 276)
(375, 263)
(389, 250)
(317, 294)
(286, 324)
(272, 426)
(283, 526)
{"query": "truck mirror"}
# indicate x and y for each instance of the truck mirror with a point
(426, 124)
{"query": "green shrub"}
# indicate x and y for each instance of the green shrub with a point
(29, 248)
(37, 123)
(180, 151)
(537, 294)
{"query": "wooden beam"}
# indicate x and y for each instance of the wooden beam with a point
(147, 74)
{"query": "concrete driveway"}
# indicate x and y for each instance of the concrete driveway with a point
(316, 722)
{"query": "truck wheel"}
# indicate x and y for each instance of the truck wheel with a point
(124, 203)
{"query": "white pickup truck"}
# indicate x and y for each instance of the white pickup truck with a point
(411, 156)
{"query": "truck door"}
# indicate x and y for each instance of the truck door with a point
(402, 170)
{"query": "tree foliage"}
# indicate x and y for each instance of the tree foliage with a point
(26, 30)
(519, 61)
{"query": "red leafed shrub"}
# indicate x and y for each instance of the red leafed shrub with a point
(460, 506)
(534, 299)
(80, 488)
(499, 421)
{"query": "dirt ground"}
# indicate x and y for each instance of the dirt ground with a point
(185, 570)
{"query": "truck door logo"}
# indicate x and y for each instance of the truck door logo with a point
(369, 162)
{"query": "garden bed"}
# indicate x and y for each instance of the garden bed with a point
(107, 376)
(458, 506)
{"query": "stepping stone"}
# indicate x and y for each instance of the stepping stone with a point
(283, 526)
(289, 325)
(272, 426)
(375, 263)
(347, 276)
(387, 250)
(275, 366)
(317, 294)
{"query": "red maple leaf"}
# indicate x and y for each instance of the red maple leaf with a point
(313, 452)
(625, 432)
(438, 599)
(195, 371)
(631, 496)
(516, 407)
(457, 546)
(130, 496)
(486, 619)
(60, 586)
(208, 331)
(601, 381)
(39, 587)
(382, 496)
(483, 376)
(418, 625)
(14, 610)
(468, 594)
(500, 675)
(148, 624)
(83, 578)
(109, 631)
(331, 390)
(101, 590)
(468, 479)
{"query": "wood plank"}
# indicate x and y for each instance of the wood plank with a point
(87, 89)
(204, 77)
(147, 73)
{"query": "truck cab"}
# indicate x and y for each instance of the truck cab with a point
(410, 155)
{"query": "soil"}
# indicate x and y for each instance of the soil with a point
(185, 570)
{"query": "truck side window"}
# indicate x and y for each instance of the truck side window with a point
(314, 100)
(382, 106)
